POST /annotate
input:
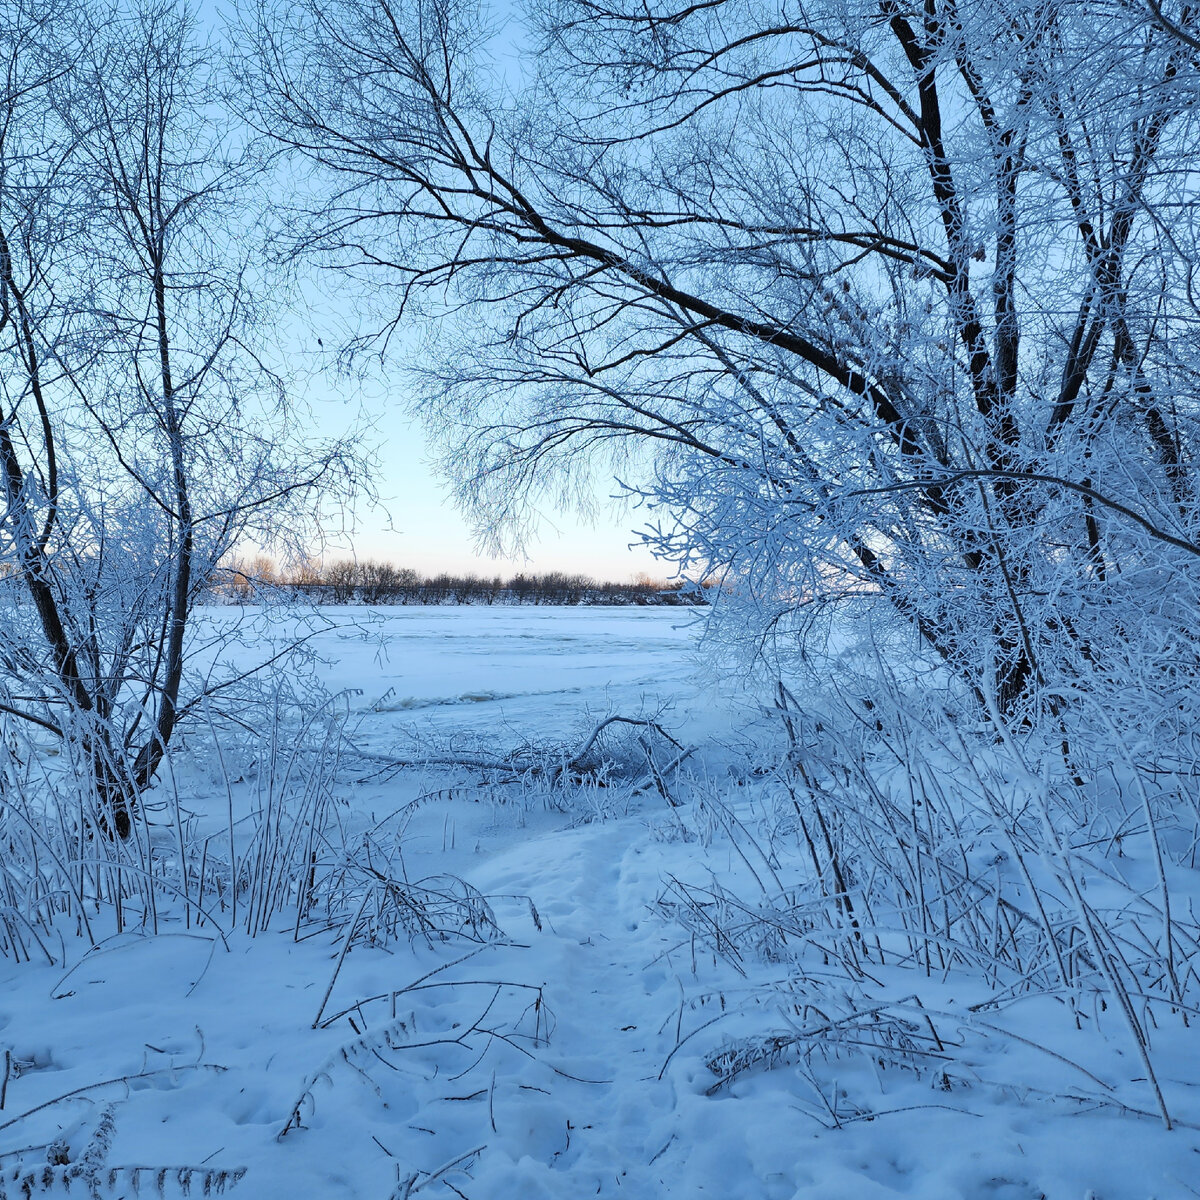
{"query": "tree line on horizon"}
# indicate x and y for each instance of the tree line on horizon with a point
(375, 581)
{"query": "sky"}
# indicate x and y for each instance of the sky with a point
(415, 523)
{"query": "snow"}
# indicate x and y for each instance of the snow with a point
(568, 1056)
(515, 671)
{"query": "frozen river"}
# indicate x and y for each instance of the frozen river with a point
(509, 674)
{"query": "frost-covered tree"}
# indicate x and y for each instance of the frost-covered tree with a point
(865, 295)
(141, 434)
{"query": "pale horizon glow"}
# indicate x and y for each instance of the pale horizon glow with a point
(417, 525)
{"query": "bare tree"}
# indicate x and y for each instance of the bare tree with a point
(141, 431)
(885, 297)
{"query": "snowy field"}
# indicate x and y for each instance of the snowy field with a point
(566, 1017)
(510, 673)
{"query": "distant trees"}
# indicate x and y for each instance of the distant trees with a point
(377, 580)
(140, 433)
(341, 578)
(346, 581)
(896, 298)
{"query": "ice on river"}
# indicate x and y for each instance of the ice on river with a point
(515, 666)
(507, 675)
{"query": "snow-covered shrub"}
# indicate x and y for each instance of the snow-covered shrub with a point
(246, 831)
(595, 774)
(925, 885)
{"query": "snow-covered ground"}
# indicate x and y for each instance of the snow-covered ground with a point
(511, 673)
(567, 1055)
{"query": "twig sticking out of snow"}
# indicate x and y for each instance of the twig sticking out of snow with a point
(103, 1083)
(410, 1187)
(369, 1046)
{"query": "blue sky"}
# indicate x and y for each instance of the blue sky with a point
(415, 525)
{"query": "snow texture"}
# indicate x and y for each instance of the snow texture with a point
(571, 1054)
